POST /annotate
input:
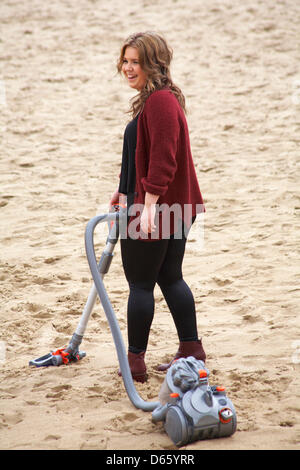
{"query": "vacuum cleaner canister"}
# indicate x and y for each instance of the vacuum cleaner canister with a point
(192, 409)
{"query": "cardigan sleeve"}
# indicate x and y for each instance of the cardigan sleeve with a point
(161, 113)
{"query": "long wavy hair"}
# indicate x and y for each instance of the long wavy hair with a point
(154, 57)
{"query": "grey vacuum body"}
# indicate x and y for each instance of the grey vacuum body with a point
(190, 408)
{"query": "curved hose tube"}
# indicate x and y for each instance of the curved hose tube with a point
(136, 400)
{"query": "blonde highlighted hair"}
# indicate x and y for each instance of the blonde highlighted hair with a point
(154, 57)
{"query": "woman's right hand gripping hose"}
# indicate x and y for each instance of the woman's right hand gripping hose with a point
(117, 200)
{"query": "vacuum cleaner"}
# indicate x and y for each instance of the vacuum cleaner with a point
(188, 406)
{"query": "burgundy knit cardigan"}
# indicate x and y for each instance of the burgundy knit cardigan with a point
(163, 158)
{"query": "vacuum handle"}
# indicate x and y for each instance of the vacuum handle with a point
(136, 400)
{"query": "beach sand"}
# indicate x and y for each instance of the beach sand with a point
(63, 114)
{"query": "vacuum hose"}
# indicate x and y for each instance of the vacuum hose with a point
(136, 400)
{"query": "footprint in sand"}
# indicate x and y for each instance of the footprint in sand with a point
(52, 437)
(222, 282)
(11, 419)
(251, 318)
(59, 391)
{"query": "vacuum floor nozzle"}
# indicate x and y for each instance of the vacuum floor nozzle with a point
(56, 358)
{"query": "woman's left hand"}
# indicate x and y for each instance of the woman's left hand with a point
(148, 215)
(147, 219)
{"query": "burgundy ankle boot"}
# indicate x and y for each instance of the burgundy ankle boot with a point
(137, 366)
(186, 349)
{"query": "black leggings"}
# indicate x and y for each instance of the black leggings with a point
(145, 264)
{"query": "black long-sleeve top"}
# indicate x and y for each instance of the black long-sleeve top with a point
(127, 176)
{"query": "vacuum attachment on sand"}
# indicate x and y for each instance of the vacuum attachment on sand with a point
(64, 355)
(190, 408)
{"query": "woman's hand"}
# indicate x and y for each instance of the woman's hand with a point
(117, 198)
(148, 214)
(147, 219)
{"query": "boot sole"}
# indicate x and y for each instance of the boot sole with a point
(140, 377)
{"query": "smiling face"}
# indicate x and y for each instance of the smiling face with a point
(132, 69)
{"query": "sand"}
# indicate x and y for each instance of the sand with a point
(63, 113)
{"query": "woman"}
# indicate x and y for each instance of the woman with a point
(157, 171)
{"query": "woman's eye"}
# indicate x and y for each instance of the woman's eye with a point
(134, 62)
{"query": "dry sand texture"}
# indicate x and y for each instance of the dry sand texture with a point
(62, 121)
